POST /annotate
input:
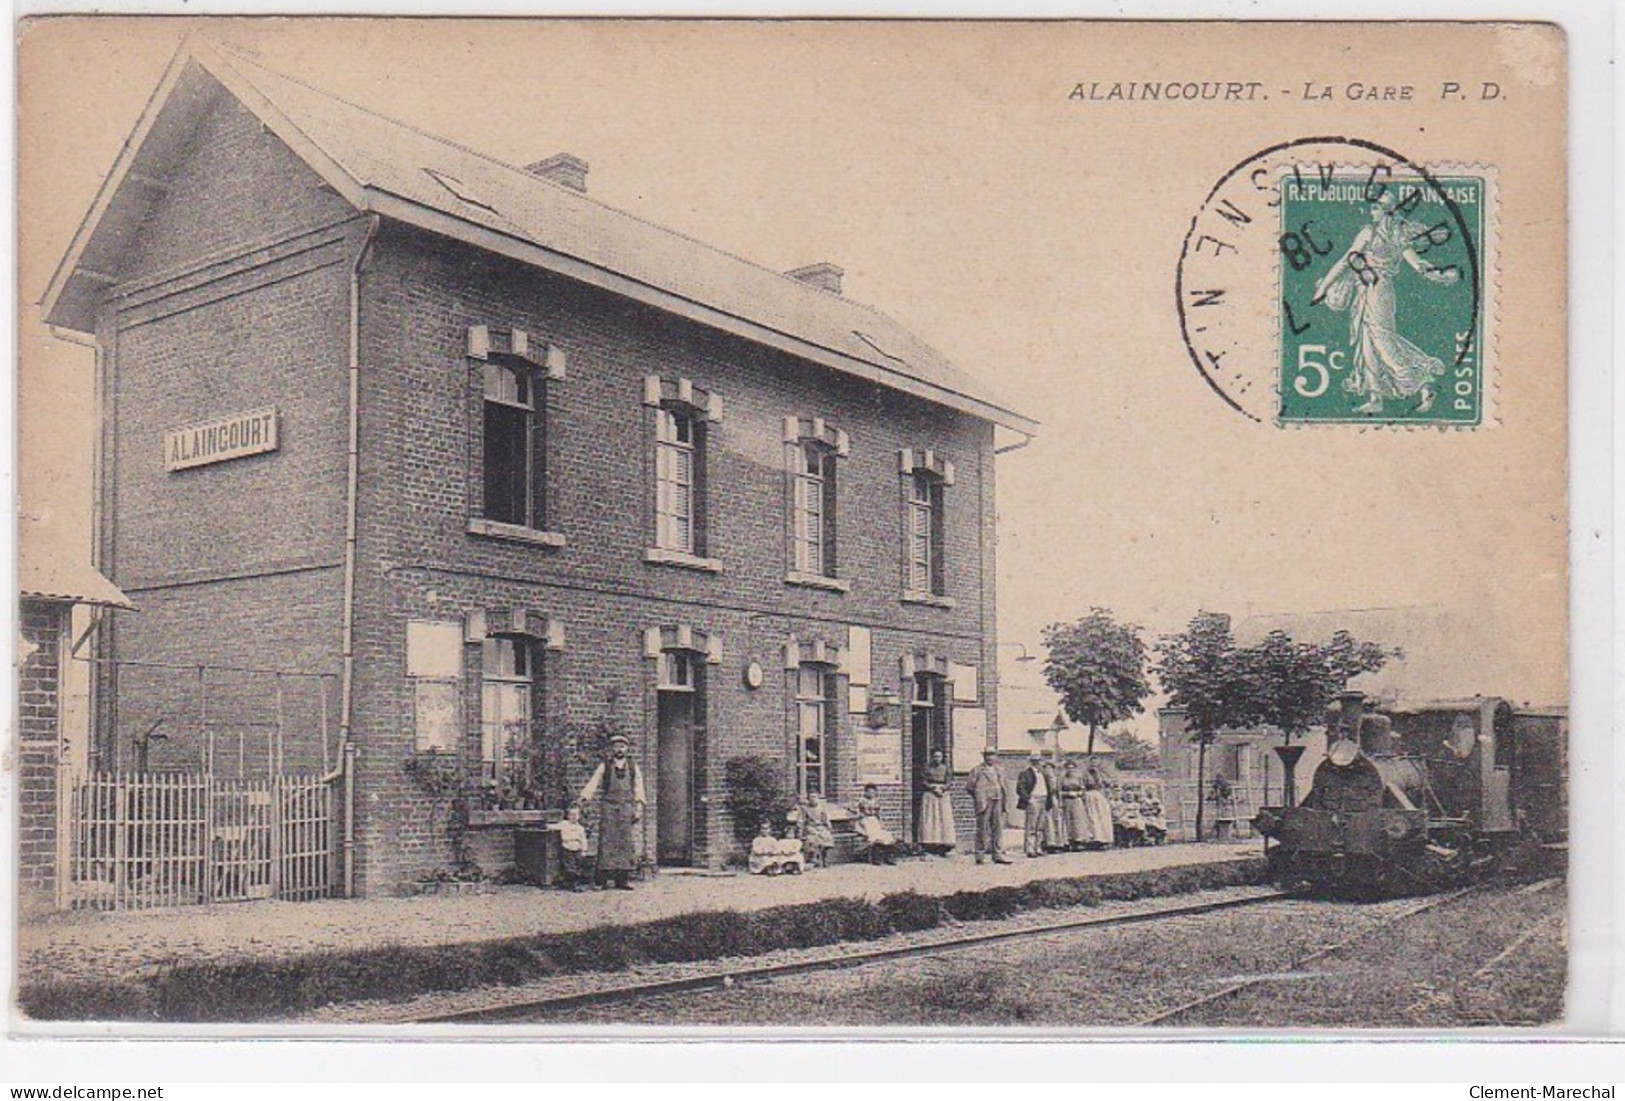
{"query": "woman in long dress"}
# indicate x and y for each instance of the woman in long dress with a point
(1077, 820)
(1097, 808)
(881, 841)
(1055, 833)
(1385, 365)
(936, 829)
(817, 831)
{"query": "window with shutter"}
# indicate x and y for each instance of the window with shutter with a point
(677, 448)
(814, 483)
(813, 450)
(925, 534)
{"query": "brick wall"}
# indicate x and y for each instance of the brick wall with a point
(235, 296)
(39, 737)
(420, 485)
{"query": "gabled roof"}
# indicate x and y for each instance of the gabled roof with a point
(388, 168)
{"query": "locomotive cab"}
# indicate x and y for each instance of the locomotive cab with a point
(1421, 797)
(1470, 748)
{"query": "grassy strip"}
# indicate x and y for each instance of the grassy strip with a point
(252, 990)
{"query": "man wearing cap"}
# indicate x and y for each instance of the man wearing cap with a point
(1032, 796)
(986, 787)
(620, 782)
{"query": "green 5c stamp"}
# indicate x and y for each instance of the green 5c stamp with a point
(1381, 297)
(1334, 281)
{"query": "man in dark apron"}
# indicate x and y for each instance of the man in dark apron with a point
(620, 782)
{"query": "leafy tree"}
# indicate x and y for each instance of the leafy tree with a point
(1202, 671)
(1295, 682)
(1134, 754)
(1097, 665)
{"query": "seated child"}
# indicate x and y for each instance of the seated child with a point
(770, 855)
(882, 843)
(1156, 826)
(575, 870)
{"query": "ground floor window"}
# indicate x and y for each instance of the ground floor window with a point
(508, 699)
(929, 716)
(815, 711)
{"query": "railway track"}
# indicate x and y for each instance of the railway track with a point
(529, 1008)
(1185, 1009)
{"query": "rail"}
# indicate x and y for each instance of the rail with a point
(842, 957)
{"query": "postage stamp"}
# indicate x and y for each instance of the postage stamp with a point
(1336, 281)
(1382, 298)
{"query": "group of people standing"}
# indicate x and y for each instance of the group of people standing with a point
(1063, 809)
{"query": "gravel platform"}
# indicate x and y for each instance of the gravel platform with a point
(99, 946)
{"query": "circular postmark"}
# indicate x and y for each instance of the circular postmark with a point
(1332, 280)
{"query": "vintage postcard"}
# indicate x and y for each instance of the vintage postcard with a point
(550, 524)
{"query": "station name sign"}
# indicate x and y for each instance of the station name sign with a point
(216, 441)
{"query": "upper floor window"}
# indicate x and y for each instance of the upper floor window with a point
(813, 453)
(684, 417)
(512, 449)
(680, 452)
(814, 507)
(926, 478)
(925, 535)
(515, 456)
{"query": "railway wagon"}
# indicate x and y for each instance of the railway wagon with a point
(1423, 797)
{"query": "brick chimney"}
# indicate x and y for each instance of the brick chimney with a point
(823, 275)
(562, 168)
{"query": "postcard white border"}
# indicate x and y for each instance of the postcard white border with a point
(1597, 991)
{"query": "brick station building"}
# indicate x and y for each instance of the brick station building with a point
(521, 471)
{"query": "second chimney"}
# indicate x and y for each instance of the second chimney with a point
(825, 276)
(562, 168)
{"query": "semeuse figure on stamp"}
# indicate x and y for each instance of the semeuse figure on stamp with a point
(619, 781)
(986, 787)
(1385, 365)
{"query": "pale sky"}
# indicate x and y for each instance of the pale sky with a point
(1030, 239)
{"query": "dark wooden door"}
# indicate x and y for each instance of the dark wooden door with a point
(674, 779)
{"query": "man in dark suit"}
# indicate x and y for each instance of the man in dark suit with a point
(1033, 796)
(986, 786)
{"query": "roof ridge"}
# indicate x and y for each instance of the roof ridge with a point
(237, 53)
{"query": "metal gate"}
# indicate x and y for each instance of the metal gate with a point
(142, 841)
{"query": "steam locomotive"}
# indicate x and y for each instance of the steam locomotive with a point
(1423, 798)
